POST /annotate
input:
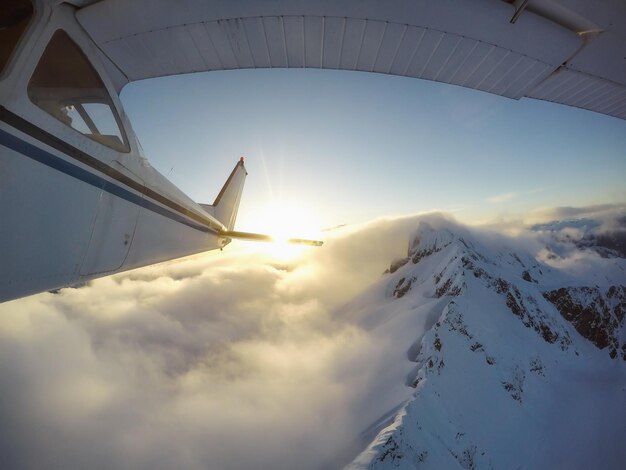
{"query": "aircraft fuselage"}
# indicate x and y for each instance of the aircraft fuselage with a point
(73, 205)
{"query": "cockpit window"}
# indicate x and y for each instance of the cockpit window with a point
(14, 17)
(66, 86)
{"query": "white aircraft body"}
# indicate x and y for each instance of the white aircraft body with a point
(78, 199)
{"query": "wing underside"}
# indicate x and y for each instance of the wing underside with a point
(569, 52)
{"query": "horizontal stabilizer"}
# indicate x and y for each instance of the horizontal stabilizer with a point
(268, 238)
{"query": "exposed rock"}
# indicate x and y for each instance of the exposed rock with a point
(391, 452)
(596, 316)
(466, 459)
(447, 288)
(515, 385)
(402, 287)
(419, 255)
(537, 367)
(454, 320)
(396, 264)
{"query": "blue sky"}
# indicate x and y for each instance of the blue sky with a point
(350, 146)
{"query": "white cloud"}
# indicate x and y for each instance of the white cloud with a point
(226, 360)
(598, 212)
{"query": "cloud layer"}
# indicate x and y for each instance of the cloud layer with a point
(226, 360)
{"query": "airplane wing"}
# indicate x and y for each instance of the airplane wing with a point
(565, 51)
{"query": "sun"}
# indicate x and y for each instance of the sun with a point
(283, 220)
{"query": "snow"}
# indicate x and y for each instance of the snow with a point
(502, 379)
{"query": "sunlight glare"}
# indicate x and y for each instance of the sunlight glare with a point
(284, 220)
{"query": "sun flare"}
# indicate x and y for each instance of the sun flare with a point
(283, 220)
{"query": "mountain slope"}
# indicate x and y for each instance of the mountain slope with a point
(515, 363)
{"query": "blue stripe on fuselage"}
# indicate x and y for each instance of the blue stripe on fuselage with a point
(46, 158)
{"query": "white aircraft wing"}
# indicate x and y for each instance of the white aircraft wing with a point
(566, 51)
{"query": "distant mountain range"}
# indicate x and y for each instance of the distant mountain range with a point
(517, 353)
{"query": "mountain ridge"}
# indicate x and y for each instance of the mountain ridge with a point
(520, 337)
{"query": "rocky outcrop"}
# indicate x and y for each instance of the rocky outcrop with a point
(396, 264)
(596, 315)
(402, 287)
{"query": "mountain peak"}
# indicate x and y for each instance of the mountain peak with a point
(434, 234)
(517, 336)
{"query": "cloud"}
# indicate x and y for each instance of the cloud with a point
(226, 360)
(598, 211)
(500, 198)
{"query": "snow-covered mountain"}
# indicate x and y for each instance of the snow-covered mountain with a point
(514, 349)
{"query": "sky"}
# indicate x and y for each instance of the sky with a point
(345, 147)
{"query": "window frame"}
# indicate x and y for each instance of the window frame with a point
(125, 147)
